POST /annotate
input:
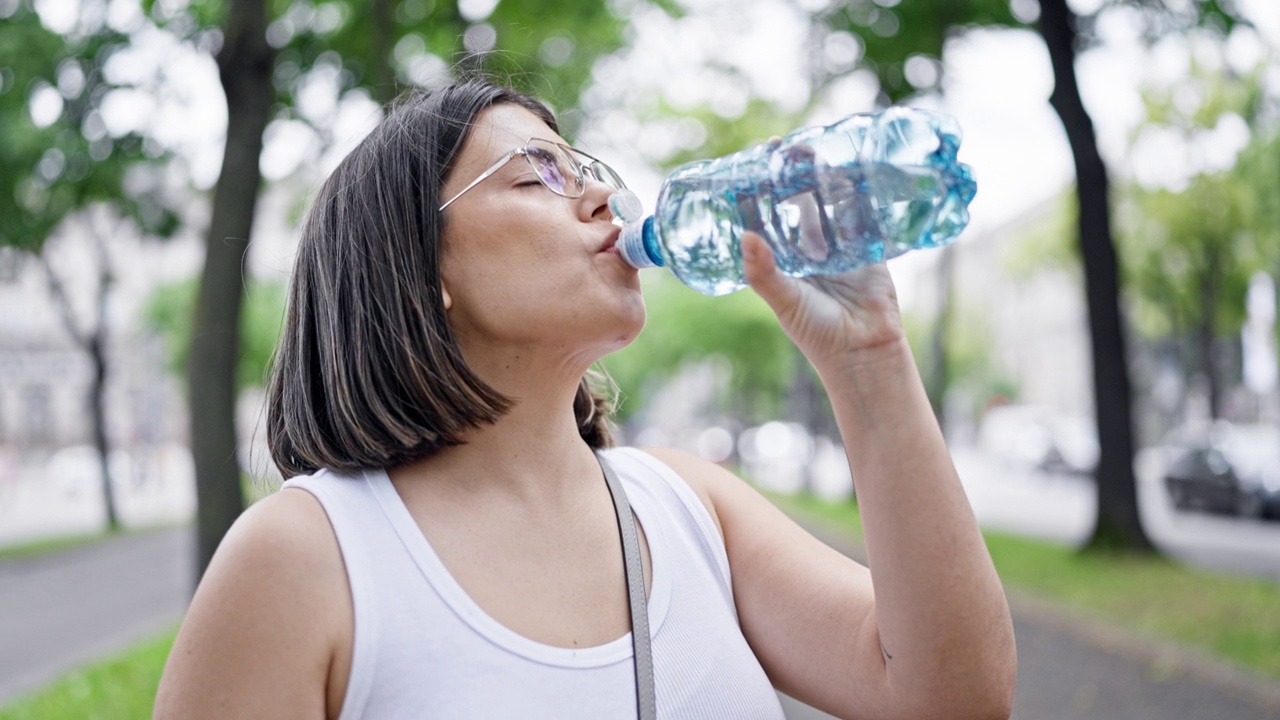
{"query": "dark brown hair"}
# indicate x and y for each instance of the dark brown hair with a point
(367, 372)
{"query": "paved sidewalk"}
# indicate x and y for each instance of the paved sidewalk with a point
(61, 610)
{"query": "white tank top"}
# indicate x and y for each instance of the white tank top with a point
(423, 649)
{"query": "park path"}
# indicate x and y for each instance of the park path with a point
(62, 609)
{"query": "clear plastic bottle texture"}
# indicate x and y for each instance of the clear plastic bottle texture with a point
(826, 199)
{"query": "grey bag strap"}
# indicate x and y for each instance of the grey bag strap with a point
(645, 704)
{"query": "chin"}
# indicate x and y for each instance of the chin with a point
(627, 330)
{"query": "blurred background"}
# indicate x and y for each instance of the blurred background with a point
(1099, 346)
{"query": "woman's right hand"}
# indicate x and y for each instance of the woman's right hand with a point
(837, 321)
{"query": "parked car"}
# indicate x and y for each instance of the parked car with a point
(1232, 469)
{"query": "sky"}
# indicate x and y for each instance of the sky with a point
(997, 85)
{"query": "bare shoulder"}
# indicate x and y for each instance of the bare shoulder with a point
(262, 630)
(282, 545)
(291, 522)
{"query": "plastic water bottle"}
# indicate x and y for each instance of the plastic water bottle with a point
(826, 199)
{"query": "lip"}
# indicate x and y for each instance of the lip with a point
(610, 243)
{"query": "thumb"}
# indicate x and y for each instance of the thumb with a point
(758, 265)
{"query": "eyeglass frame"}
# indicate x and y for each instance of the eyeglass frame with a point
(570, 152)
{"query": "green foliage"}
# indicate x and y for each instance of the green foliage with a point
(1188, 256)
(168, 311)
(70, 160)
(1216, 96)
(968, 340)
(1189, 252)
(892, 35)
(120, 687)
(684, 326)
(1259, 170)
(385, 46)
(725, 136)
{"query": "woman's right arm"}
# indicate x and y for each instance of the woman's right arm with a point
(266, 623)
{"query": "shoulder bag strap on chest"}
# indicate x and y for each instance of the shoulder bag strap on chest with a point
(645, 703)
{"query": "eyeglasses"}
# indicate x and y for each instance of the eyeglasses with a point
(557, 167)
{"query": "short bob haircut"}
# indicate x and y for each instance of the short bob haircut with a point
(367, 373)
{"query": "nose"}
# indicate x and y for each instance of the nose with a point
(595, 199)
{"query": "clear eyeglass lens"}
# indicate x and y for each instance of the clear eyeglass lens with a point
(606, 175)
(556, 170)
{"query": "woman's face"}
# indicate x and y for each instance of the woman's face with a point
(524, 268)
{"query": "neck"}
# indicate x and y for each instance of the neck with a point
(533, 454)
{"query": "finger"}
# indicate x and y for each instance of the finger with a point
(758, 265)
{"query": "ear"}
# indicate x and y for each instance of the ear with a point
(448, 299)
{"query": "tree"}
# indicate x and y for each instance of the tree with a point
(63, 171)
(1192, 250)
(1190, 256)
(169, 308)
(270, 52)
(915, 32)
(91, 337)
(244, 65)
(1119, 524)
(761, 360)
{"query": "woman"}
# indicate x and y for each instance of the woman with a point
(447, 546)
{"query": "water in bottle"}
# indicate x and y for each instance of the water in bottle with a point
(826, 199)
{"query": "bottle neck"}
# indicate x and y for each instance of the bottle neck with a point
(638, 244)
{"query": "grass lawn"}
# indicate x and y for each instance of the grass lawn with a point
(44, 546)
(119, 688)
(1232, 617)
(48, 545)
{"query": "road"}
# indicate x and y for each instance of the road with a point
(63, 609)
(1063, 508)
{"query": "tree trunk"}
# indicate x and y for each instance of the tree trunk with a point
(244, 64)
(93, 342)
(1205, 332)
(98, 411)
(1119, 525)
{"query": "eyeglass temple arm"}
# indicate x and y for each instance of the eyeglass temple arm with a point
(492, 169)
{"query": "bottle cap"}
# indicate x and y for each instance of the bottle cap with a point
(626, 206)
(638, 245)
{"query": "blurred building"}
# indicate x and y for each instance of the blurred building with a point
(46, 376)
(1033, 320)
(1032, 325)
